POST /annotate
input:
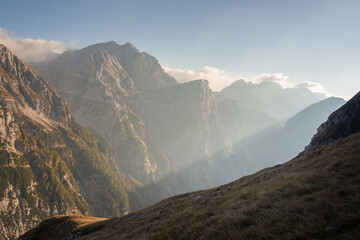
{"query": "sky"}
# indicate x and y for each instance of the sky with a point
(305, 43)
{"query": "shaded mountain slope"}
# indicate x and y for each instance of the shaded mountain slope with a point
(341, 123)
(299, 130)
(305, 123)
(277, 145)
(314, 196)
(49, 164)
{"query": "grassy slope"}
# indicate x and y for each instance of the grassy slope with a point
(314, 196)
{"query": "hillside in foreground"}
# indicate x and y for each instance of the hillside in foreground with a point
(314, 196)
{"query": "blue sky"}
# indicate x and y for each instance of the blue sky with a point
(309, 40)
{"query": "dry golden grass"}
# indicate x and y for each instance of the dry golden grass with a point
(314, 196)
(59, 227)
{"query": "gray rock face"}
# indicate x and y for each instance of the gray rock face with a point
(23, 94)
(182, 120)
(46, 158)
(94, 81)
(343, 122)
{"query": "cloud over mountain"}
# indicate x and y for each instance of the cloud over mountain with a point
(312, 86)
(279, 78)
(31, 49)
(282, 79)
(218, 79)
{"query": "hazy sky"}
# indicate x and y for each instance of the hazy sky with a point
(290, 41)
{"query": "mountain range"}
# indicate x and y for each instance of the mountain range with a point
(156, 126)
(271, 98)
(313, 196)
(104, 131)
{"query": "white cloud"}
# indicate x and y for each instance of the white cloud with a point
(312, 86)
(279, 78)
(282, 79)
(217, 78)
(31, 49)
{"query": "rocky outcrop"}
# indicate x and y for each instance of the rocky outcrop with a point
(46, 158)
(343, 122)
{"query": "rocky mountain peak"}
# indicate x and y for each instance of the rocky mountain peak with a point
(343, 122)
(239, 82)
(129, 45)
(113, 48)
(203, 83)
(9, 61)
(2, 48)
(31, 91)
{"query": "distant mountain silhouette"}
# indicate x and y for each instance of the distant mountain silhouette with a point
(271, 98)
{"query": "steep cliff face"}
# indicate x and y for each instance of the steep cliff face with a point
(182, 119)
(49, 164)
(341, 123)
(143, 68)
(94, 81)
